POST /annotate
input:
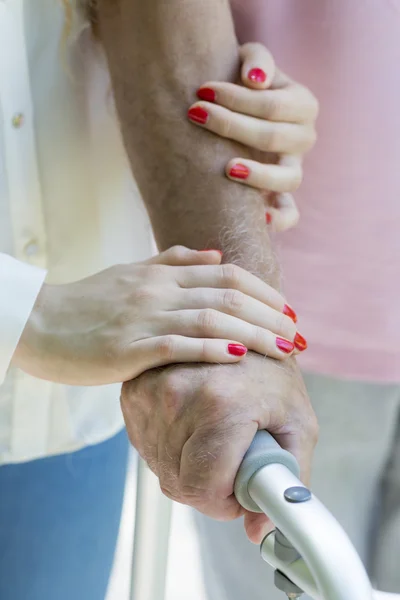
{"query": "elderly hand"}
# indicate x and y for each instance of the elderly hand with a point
(192, 424)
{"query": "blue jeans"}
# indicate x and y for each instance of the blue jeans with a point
(59, 520)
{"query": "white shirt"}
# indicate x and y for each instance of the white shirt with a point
(68, 208)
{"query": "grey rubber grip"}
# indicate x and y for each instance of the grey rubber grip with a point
(264, 450)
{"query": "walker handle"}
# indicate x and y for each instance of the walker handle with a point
(264, 450)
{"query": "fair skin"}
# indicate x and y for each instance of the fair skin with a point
(180, 306)
(279, 123)
(193, 423)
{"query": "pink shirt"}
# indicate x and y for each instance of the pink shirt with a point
(342, 263)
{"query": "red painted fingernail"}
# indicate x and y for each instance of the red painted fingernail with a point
(239, 171)
(237, 349)
(289, 312)
(300, 342)
(268, 218)
(284, 345)
(206, 94)
(257, 75)
(212, 250)
(198, 115)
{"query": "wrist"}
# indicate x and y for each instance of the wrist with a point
(30, 344)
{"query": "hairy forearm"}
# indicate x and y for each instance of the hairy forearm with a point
(159, 53)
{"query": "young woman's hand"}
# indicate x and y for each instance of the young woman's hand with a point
(271, 114)
(181, 306)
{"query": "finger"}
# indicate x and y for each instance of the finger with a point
(292, 104)
(239, 305)
(234, 277)
(209, 323)
(257, 526)
(181, 256)
(267, 136)
(169, 456)
(209, 463)
(169, 349)
(258, 66)
(302, 447)
(274, 178)
(138, 404)
(284, 214)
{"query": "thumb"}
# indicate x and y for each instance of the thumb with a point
(258, 66)
(284, 214)
(257, 526)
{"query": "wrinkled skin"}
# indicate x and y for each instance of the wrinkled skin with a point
(192, 424)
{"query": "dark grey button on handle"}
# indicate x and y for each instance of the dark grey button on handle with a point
(297, 494)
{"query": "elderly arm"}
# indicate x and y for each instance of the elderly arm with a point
(159, 53)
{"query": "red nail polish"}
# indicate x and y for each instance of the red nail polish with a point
(212, 250)
(300, 342)
(239, 171)
(268, 218)
(289, 312)
(198, 115)
(206, 94)
(284, 345)
(237, 349)
(257, 75)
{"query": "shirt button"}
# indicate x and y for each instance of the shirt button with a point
(18, 120)
(31, 248)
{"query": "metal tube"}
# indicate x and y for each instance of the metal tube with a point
(298, 571)
(335, 565)
(300, 574)
(151, 538)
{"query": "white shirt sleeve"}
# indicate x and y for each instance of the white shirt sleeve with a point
(20, 285)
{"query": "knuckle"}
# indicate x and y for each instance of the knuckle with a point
(173, 385)
(178, 253)
(233, 300)
(297, 178)
(260, 339)
(303, 139)
(295, 217)
(155, 272)
(207, 321)
(222, 401)
(285, 326)
(173, 398)
(194, 496)
(270, 140)
(168, 489)
(123, 276)
(166, 347)
(311, 137)
(219, 400)
(143, 295)
(167, 492)
(231, 98)
(231, 276)
(306, 138)
(270, 107)
(225, 126)
(308, 102)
